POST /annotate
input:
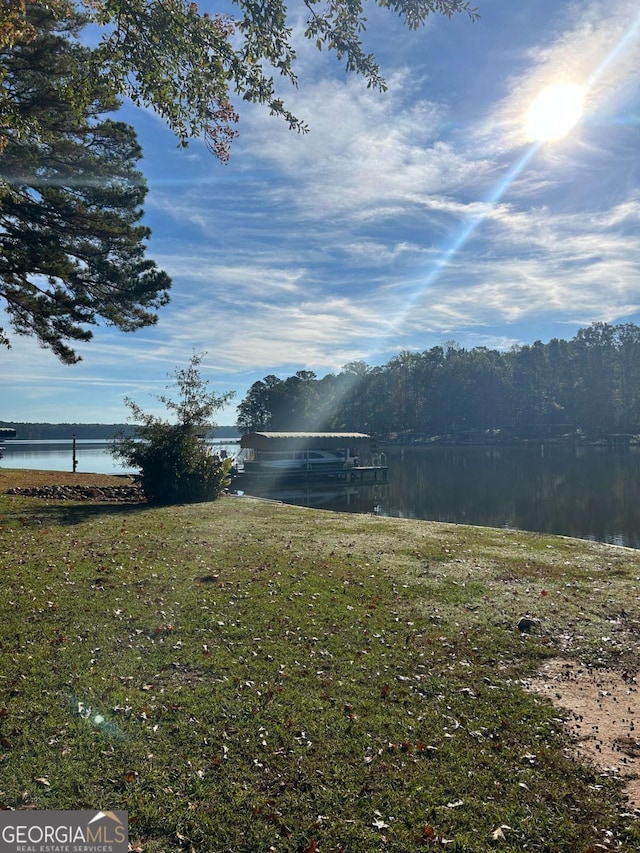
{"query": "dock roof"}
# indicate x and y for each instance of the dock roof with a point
(301, 440)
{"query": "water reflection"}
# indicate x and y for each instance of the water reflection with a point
(588, 492)
(591, 493)
(359, 499)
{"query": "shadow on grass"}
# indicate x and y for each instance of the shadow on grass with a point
(42, 514)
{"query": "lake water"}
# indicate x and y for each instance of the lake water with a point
(587, 492)
(92, 455)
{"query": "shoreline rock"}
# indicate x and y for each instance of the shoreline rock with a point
(109, 494)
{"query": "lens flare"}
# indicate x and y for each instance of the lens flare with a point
(98, 720)
(555, 112)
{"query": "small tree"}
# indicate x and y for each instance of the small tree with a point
(175, 465)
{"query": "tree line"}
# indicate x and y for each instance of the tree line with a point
(104, 432)
(64, 431)
(589, 384)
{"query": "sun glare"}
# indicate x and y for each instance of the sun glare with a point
(554, 112)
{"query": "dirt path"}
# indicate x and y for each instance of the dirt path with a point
(604, 716)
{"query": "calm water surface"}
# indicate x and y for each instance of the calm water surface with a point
(92, 454)
(589, 492)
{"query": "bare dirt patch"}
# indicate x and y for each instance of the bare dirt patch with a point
(603, 716)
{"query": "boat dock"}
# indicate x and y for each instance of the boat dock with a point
(322, 458)
(362, 474)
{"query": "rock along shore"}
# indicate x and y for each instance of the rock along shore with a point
(110, 494)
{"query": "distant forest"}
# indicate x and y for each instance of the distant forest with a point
(588, 385)
(54, 432)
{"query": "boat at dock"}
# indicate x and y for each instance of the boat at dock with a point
(328, 457)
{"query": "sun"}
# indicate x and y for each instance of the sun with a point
(555, 111)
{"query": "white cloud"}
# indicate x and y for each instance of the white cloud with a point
(366, 153)
(381, 229)
(596, 47)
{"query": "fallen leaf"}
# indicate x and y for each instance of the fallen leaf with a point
(498, 834)
(456, 804)
(43, 781)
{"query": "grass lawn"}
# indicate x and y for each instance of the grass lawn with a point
(245, 677)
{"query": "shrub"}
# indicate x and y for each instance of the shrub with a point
(175, 465)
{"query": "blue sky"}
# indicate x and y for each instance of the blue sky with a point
(403, 219)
